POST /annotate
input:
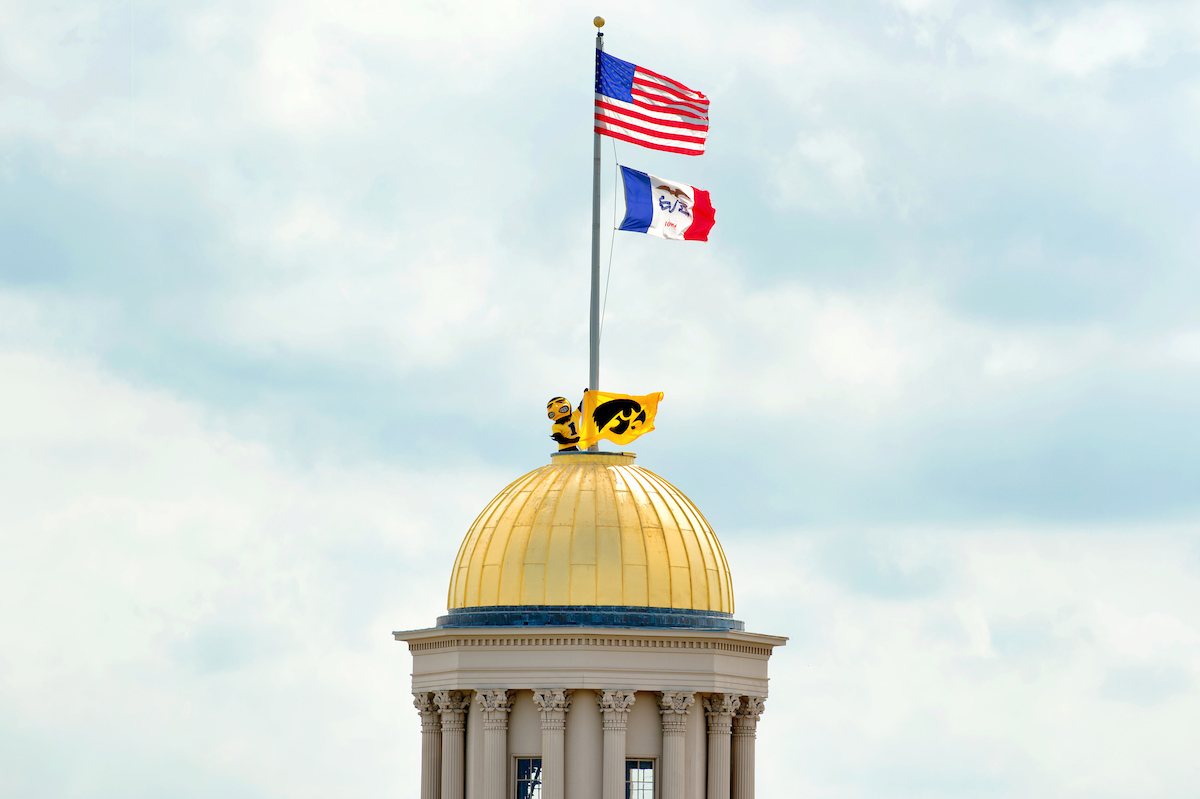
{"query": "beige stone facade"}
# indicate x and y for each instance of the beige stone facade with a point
(584, 700)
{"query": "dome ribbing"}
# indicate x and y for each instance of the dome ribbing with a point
(591, 529)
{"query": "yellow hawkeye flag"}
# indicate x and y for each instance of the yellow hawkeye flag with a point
(618, 417)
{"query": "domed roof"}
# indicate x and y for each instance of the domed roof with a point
(592, 529)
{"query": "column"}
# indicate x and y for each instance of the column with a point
(495, 706)
(614, 705)
(452, 705)
(431, 745)
(673, 705)
(552, 705)
(719, 708)
(745, 727)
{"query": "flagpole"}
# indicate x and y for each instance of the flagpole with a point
(594, 333)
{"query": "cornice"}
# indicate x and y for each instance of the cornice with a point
(726, 641)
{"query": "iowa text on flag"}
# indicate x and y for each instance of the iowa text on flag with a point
(636, 105)
(665, 208)
(618, 417)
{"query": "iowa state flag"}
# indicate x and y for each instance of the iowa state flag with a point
(618, 417)
(665, 208)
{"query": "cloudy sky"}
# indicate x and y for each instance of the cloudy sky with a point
(284, 288)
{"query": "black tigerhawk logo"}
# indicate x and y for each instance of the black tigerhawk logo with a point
(619, 415)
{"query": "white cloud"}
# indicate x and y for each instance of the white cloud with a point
(1182, 347)
(996, 681)
(307, 81)
(55, 48)
(793, 348)
(174, 594)
(824, 173)
(1091, 39)
(417, 313)
(1107, 36)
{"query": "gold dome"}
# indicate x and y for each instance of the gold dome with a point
(592, 529)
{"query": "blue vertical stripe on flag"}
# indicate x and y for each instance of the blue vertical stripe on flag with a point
(639, 203)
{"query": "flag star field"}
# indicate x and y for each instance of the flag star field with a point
(636, 105)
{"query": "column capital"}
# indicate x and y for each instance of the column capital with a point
(452, 701)
(431, 719)
(720, 709)
(494, 701)
(614, 705)
(423, 702)
(671, 703)
(552, 700)
(615, 701)
(749, 711)
(721, 705)
(453, 707)
(674, 707)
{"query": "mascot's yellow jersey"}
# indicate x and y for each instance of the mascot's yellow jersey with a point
(565, 429)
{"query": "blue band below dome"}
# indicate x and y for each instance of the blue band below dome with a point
(589, 616)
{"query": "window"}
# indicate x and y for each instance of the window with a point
(639, 779)
(529, 778)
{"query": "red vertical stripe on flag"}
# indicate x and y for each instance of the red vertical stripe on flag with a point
(704, 216)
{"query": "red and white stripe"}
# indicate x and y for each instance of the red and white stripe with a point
(664, 115)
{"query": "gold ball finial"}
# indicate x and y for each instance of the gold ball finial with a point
(598, 22)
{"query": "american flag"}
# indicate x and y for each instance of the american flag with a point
(636, 105)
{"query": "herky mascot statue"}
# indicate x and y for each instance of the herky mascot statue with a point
(565, 430)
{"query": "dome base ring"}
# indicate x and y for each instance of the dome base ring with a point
(589, 616)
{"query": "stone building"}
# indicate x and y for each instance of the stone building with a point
(589, 650)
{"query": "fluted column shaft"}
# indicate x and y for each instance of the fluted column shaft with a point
(614, 706)
(719, 708)
(745, 728)
(673, 705)
(553, 705)
(452, 706)
(431, 745)
(495, 706)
